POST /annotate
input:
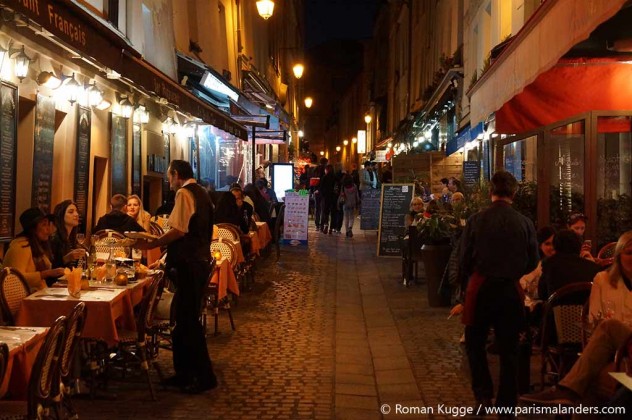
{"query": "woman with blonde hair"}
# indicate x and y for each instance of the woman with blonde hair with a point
(136, 212)
(611, 294)
(416, 211)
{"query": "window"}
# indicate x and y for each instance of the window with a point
(614, 178)
(566, 163)
(520, 158)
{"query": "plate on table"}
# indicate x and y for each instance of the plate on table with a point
(141, 235)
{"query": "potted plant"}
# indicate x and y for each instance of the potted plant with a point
(435, 234)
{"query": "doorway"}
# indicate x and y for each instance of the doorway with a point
(99, 191)
(152, 193)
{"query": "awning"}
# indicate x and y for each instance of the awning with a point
(465, 136)
(94, 40)
(550, 33)
(570, 88)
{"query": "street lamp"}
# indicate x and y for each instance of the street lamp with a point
(308, 102)
(345, 142)
(265, 8)
(322, 153)
(300, 133)
(298, 70)
(354, 140)
(337, 148)
(367, 119)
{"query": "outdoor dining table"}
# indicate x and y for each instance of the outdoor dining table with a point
(265, 236)
(24, 344)
(105, 307)
(136, 290)
(224, 277)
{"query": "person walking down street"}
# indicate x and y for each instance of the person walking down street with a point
(498, 246)
(367, 180)
(328, 199)
(188, 264)
(319, 173)
(350, 201)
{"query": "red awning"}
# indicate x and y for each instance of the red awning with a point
(569, 88)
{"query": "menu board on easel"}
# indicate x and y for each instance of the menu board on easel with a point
(396, 200)
(370, 209)
(296, 218)
(82, 160)
(43, 152)
(8, 158)
(136, 159)
(118, 156)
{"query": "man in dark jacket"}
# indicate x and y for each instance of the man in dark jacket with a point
(566, 266)
(117, 219)
(498, 246)
(328, 199)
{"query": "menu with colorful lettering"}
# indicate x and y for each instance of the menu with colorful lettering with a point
(296, 220)
(43, 152)
(118, 157)
(8, 157)
(396, 200)
(82, 160)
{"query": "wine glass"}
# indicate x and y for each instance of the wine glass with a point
(81, 238)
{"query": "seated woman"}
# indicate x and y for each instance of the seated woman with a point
(416, 211)
(611, 294)
(136, 212)
(30, 251)
(566, 266)
(577, 223)
(530, 281)
(232, 209)
(66, 250)
(261, 206)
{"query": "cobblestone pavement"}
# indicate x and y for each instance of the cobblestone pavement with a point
(328, 332)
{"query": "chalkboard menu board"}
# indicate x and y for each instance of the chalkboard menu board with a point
(8, 157)
(136, 160)
(82, 160)
(370, 209)
(118, 157)
(395, 205)
(43, 152)
(471, 173)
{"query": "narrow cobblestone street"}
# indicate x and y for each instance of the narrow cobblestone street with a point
(327, 332)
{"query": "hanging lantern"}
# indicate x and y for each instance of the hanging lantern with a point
(126, 107)
(265, 8)
(298, 70)
(95, 96)
(72, 89)
(141, 114)
(308, 102)
(22, 62)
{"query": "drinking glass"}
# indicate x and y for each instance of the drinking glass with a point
(81, 238)
(110, 271)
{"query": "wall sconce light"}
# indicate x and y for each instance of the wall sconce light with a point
(72, 88)
(169, 126)
(322, 153)
(300, 133)
(104, 105)
(48, 79)
(265, 8)
(141, 114)
(126, 107)
(95, 95)
(345, 142)
(22, 62)
(337, 148)
(298, 70)
(308, 102)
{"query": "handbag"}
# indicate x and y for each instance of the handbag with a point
(341, 200)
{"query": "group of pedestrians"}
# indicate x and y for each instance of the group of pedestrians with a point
(337, 193)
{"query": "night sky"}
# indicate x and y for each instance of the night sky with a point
(338, 19)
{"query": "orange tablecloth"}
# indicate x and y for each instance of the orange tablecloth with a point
(224, 277)
(24, 343)
(105, 307)
(265, 236)
(136, 290)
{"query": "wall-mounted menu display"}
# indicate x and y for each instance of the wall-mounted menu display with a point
(8, 157)
(370, 209)
(118, 156)
(296, 218)
(82, 160)
(471, 173)
(136, 160)
(395, 205)
(43, 152)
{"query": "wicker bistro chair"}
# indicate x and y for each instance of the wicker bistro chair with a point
(228, 231)
(155, 229)
(606, 253)
(111, 244)
(13, 289)
(131, 352)
(108, 233)
(4, 360)
(212, 297)
(45, 371)
(61, 387)
(562, 330)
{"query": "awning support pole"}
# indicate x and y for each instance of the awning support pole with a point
(254, 153)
